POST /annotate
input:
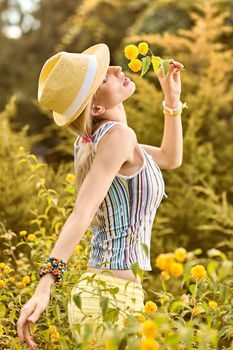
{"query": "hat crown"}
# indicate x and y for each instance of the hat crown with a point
(67, 80)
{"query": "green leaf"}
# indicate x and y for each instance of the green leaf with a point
(77, 301)
(193, 289)
(165, 66)
(103, 304)
(211, 268)
(225, 269)
(145, 248)
(215, 252)
(146, 62)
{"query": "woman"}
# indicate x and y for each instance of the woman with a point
(119, 183)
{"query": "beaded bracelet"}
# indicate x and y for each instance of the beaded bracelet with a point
(55, 266)
(174, 111)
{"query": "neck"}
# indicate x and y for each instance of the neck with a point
(116, 113)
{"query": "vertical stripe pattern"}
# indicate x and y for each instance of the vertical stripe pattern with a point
(129, 209)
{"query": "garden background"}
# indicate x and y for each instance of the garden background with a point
(37, 191)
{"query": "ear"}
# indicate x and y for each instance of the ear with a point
(97, 110)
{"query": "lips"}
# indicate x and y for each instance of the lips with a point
(126, 81)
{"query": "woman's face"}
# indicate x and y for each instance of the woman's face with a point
(113, 90)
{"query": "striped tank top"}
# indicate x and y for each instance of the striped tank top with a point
(129, 207)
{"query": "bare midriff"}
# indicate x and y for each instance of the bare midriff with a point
(125, 274)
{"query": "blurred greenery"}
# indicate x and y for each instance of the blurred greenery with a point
(36, 156)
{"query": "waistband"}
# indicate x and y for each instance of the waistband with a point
(108, 276)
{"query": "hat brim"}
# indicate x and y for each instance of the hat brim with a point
(102, 54)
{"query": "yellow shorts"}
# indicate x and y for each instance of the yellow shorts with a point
(92, 287)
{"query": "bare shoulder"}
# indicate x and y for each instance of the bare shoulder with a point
(119, 139)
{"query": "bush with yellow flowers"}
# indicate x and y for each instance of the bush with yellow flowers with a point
(136, 64)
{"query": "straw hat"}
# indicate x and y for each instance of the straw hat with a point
(68, 81)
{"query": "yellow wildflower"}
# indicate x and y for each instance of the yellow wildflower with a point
(165, 275)
(135, 65)
(197, 309)
(78, 248)
(150, 307)
(23, 233)
(150, 329)
(198, 272)
(131, 52)
(31, 237)
(21, 285)
(54, 333)
(11, 279)
(213, 304)
(176, 269)
(2, 283)
(70, 178)
(143, 48)
(26, 279)
(1, 329)
(180, 254)
(2, 265)
(164, 261)
(149, 344)
(7, 269)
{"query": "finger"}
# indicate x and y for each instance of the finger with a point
(28, 337)
(36, 314)
(24, 314)
(176, 63)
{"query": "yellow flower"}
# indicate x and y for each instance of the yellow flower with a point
(198, 272)
(149, 344)
(150, 329)
(1, 329)
(180, 254)
(78, 248)
(165, 275)
(54, 333)
(26, 280)
(135, 65)
(11, 279)
(197, 309)
(70, 178)
(213, 304)
(23, 233)
(2, 265)
(164, 261)
(7, 270)
(176, 269)
(131, 52)
(150, 307)
(31, 237)
(2, 283)
(143, 48)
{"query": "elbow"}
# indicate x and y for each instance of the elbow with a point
(175, 165)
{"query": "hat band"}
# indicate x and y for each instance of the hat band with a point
(85, 88)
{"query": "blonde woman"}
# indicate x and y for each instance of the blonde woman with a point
(119, 185)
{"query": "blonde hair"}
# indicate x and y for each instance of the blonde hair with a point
(85, 152)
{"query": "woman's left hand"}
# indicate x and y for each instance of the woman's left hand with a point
(171, 83)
